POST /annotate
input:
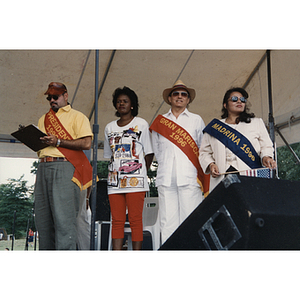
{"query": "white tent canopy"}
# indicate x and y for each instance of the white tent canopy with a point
(25, 75)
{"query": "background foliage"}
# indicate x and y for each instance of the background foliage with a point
(288, 167)
(16, 196)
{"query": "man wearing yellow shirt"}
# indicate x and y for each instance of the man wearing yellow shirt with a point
(63, 171)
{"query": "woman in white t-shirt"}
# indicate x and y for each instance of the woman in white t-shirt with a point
(128, 144)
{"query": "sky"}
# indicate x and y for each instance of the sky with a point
(15, 168)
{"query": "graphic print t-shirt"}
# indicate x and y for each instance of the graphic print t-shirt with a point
(126, 146)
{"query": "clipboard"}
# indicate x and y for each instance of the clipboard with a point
(30, 136)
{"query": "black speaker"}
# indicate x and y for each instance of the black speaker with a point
(102, 202)
(243, 213)
(102, 213)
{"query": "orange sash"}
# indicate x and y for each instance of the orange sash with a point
(83, 173)
(184, 141)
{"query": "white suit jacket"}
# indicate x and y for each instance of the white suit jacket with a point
(212, 150)
(167, 154)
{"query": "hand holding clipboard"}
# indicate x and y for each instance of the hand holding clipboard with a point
(30, 136)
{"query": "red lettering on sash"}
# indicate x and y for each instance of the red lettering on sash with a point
(83, 173)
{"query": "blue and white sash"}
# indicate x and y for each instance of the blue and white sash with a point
(235, 141)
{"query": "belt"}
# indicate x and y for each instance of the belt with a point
(50, 158)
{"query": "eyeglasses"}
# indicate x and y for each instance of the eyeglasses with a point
(183, 94)
(235, 99)
(55, 97)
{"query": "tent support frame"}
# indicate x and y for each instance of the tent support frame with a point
(103, 80)
(287, 144)
(95, 150)
(271, 117)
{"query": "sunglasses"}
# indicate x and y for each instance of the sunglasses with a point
(55, 97)
(235, 99)
(183, 94)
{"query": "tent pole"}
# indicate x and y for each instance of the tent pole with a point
(288, 146)
(254, 71)
(80, 78)
(104, 78)
(95, 149)
(271, 118)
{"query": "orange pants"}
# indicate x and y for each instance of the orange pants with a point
(135, 204)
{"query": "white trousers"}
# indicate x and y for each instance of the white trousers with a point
(175, 204)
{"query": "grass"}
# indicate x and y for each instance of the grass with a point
(19, 245)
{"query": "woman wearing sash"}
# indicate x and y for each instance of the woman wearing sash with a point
(128, 144)
(238, 141)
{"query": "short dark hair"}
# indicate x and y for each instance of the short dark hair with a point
(245, 116)
(131, 95)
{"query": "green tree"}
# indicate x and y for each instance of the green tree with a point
(102, 169)
(288, 167)
(34, 167)
(152, 179)
(16, 196)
